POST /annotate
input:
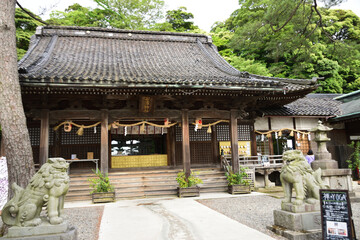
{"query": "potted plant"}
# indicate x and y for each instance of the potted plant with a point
(188, 186)
(236, 182)
(102, 191)
(354, 159)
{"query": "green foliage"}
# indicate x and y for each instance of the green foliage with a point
(354, 159)
(237, 178)
(180, 20)
(133, 14)
(25, 28)
(270, 38)
(192, 180)
(101, 183)
(76, 15)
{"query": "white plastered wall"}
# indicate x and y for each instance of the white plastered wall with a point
(306, 123)
(281, 122)
(261, 123)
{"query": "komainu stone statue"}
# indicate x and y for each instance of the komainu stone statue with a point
(297, 173)
(48, 188)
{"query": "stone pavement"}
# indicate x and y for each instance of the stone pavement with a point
(170, 219)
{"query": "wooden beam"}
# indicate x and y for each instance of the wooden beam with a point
(59, 115)
(234, 141)
(185, 142)
(209, 113)
(119, 114)
(104, 154)
(44, 137)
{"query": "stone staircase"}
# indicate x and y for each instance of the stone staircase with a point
(146, 183)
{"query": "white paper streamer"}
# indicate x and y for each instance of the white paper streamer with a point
(276, 135)
(95, 129)
(125, 131)
(309, 137)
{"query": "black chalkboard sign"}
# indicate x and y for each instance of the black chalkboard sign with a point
(336, 216)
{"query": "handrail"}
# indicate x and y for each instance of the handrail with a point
(257, 161)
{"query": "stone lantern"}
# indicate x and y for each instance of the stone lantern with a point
(331, 174)
(323, 158)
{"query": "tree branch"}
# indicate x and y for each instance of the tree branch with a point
(30, 14)
(289, 19)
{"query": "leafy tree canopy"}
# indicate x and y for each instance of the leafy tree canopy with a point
(305, 42)
(25, 28)
(180, 19)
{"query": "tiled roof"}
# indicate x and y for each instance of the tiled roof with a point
(310, 105)
(96, 57)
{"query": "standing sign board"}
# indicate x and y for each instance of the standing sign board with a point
(336, 216)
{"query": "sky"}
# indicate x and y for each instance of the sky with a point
(206, 12)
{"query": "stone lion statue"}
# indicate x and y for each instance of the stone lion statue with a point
(48, 188)
(296, 173)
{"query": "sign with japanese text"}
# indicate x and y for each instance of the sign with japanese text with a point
(336, 216)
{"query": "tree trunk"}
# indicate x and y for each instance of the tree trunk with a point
(16, 138)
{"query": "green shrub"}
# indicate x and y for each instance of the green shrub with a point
(237, 178)
(101, 183)
(185, 183)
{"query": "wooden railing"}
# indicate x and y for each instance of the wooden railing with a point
(262, 161)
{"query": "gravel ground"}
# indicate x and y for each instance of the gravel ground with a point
(257, 211)
(87, 221)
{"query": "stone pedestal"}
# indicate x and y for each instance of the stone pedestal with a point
(45, 231)
(298, 222)
(324, 164)
(304, 221)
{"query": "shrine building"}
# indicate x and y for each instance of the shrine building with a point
(143, 99)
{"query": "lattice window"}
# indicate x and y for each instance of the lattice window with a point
(34, 136)
(302, 144)
(178, 134)
(244, 132)
(223, 132)
(200, 135)
(89, 136)
(201, 153)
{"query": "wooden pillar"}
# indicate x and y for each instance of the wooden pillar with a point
(185, 142)
(253, 140)
(44, 137)
(171, 146)
(234, 141)
(104, 151)
(215, 145)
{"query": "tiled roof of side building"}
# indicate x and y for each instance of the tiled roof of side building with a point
(97, 57)
(313, 104)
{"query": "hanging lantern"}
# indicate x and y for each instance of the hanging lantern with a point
(209, 129)
(198, 122)
(67, 127)
(166, 122)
